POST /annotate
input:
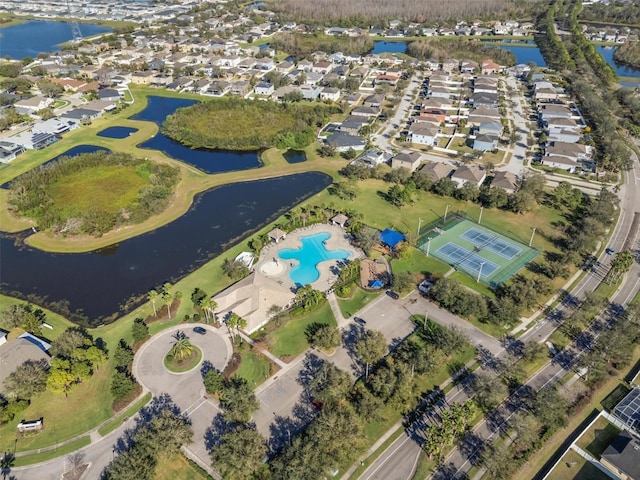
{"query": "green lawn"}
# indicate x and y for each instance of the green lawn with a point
(254, 368)
(359, 298)
(176, 466)
(417, 262)
(88, 405)
(128, 413)
(574, 467)
(109, 188)
(183, 365)
(559, 340)
(471, 283)
(58, 452)
(58, 322)
(291, 339)
(598, 437)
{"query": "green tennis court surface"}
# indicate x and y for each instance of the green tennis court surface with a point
(480, 252)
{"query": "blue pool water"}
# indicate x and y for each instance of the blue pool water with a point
(117, 132)
(312, 252)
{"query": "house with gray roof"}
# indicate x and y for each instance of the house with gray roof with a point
(473, 174)
(408, 160)
(344, 141)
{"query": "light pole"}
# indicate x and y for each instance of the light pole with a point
(428, 245)
(446, 210)
(419, 225)
(480, 217)
(532, 234)
(479, 272)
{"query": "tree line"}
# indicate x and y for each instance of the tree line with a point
(238, 124)
(443, 48)
(32, 193)
(628, 54)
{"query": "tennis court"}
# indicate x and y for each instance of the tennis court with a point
(463, 257)
(479, 251)
(493, 243)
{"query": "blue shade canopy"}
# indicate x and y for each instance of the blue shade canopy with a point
(391, 237)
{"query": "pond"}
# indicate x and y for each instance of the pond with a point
(36, 36)
(100, 282)
(72, 152)
(526, 54)
(621, 70)
(295, 156)
(381, 46)
(209, 161)
(117, 132)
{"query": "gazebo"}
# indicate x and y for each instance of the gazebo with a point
(276, 235)
(340, 219)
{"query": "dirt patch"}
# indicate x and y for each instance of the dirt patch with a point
(233, 365)
(76, 473)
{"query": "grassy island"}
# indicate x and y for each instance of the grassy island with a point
(93, 193)
(237, 124)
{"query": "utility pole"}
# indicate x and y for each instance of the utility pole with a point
(428, 245)
(479, 272)
(446, 210)
(419, 225)
(480, 217)
(532, 234)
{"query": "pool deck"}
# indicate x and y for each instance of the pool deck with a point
(280, 269)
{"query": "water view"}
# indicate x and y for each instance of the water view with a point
(100, 282)
(117, 132)
(295, 156)
(621, 70)
(37, 36)
(381, 46)
(209, 161)
(526, 54)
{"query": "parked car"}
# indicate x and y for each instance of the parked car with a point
(393, 294)
(610, 251)
(360, 321)
(200, 330)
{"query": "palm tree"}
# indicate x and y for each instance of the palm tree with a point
(241, 324)
(621, 263)
(232, 322)
(168, 300)
(153, 296)
(181, 347)
(208, 306)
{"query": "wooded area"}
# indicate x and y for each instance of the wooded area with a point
(237, 124)
(443, 48)
(628, 54)
(362, 12)
(93, 193)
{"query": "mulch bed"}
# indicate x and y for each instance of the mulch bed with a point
(76, 473)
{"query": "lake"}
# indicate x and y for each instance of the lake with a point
(526, 54)
(621, 70)
(38, 36)
(100, 282)
(381, 46)
(209, 161)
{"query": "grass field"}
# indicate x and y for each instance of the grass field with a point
(58, 452)
(575, 467)
(122, 417)
(107, 188)
(254, 368)
(176, 467)
(291, 339)
(359, 298)
(598, 437)
(417, 262)
(58, 322)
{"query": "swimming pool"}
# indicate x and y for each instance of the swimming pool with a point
(312, 252)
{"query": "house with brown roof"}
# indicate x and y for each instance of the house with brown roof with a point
(408, 160)
(506, 180)
(436, 171)
(473, 174)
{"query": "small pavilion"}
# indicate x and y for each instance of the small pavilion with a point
(276, 235)
(340, 219)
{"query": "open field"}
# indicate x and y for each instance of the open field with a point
(176, 466)
(359, 298)
(254, 368)
(291, 339)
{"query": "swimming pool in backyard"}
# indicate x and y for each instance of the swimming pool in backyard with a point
(312, 252)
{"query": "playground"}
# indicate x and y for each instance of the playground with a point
(482, 253)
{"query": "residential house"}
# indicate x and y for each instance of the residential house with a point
(309, 92)
(439, 91)
(241, 87)
(439, 114)
(331, 94)
(621, 456)
(363, 111)
(373, 158)
(563, 163)
(450, 65)
(344, 141)
(485, 99)
(218, 88)
(468, 66)
(490, 128)
(109, 94)
(34, 141)
(55, 126)
(422, 133)
(436, 171)
(264, 88)
(507, 181)
(490, 68)
(9, 151)
(469, 174)
(305, 65)
(33, 104)
(322, 67)
(408, 160)
(284, 67)
(374, 101)
(80, 114)
(485, 142)
(313, 78)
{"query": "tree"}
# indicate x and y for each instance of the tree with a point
(499, 461)
(208, 306)
(403, 282)
(123, 355)
(213, 381)
(329, 385)
(488, 391)
(238, 400)
(27, 380)
(526, 429)
(621, 263)
(70, 340)
(367, 238)
(139, 330)
(122, 385)
(50, 89)
(328, 149)
(181, 347)
(371, 348)
(60, 379)
(153, 296)
(325, 337)
(240, 453)
(234, 270)
(550, 408)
